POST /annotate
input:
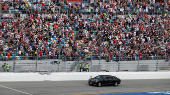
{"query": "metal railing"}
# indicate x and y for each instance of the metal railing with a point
(70, 58)
(63, 8)
(60, 64)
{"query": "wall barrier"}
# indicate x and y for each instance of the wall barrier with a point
(70, 76)
(66, 66)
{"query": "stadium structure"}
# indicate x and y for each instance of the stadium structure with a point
(109, 35)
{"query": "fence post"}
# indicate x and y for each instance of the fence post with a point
(119, 62)
(59, 55)
(169, 61)
(138, 64)
(99, 64)
(14, 65)
(36, 62)
(58, 66)
(91, 62)
(85, 60)
(157, 63)
(65, 63)
(118, 66)
(36, 65)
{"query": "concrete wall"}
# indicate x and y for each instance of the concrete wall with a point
(74, 76)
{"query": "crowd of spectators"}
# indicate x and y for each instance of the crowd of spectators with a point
(126, 28)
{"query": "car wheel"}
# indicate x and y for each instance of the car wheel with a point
(116, 84)
(99, 84)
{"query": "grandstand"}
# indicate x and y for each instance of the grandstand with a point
(83, 31)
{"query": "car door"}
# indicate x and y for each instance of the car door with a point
(109, 80)
(103, 80)
(114, 80)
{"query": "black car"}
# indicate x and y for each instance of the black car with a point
(104, 80)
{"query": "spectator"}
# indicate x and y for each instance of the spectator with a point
(124, 29)
(4, 67)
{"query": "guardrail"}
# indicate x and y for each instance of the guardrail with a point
(70, 58)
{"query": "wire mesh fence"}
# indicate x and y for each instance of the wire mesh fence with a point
(71, 64)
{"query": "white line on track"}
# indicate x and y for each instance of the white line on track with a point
(15, 90)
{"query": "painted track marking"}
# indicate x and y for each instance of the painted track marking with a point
(15, 90)
(122, 92)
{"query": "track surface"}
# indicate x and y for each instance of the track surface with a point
(79, 87)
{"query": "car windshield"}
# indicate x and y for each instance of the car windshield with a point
(97, 77)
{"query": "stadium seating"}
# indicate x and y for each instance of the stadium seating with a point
(129, 29)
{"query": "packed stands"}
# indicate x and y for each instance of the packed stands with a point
(31, 29)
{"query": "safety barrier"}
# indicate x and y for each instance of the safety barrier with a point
(67, 58)
(80, 76)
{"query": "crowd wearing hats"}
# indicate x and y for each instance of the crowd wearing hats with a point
(126, 28)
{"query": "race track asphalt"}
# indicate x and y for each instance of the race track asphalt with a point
(80, 87)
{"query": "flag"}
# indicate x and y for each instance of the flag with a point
(76, 31)
(29, 5)
(16, 11)
(70, 47)
(43, 4)
(26, 5)
(67, 6)
(38, 18)
(12, 11)
(136, 11)
(32, 16)
(48, 24)
(107, 42)
(46, 7)
(32, 6)
(62, 5)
